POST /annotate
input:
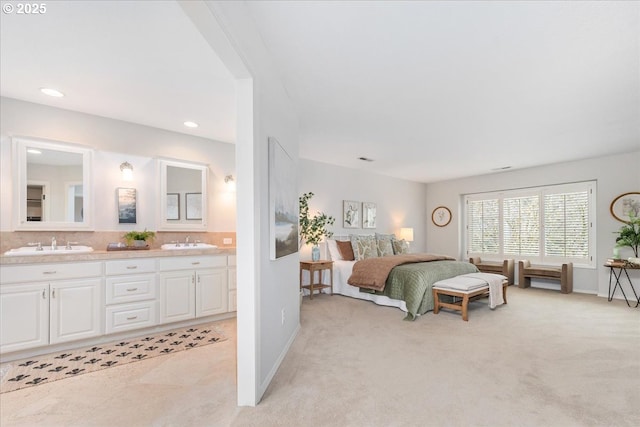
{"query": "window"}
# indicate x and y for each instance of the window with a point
(547, 225)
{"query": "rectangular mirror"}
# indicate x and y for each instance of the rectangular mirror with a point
(183, 196)
(52, 183)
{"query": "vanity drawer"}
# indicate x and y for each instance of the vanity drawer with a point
(130, 316)
(192, 262)
(138, 287)
(130, 266)
(46, 272)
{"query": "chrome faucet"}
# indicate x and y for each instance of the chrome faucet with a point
(38, 245)
(54, 244)
(68, 246)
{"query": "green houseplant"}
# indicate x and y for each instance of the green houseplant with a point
(139, 236)
(313, 228)
(629, 235)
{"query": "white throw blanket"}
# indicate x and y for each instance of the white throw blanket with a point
(495, 287)
(472, 281)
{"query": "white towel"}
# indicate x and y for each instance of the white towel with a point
(495, 287)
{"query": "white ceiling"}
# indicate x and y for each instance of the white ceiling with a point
(138, 61)
(429, 90)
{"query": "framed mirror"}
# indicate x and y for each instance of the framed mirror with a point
(183, 196)
(52, 185)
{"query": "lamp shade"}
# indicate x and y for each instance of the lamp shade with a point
(406, 234)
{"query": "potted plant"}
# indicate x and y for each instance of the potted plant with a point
(313, 228)
(139, 238)
(629, 235)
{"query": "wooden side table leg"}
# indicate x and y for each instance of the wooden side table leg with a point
(301, 270)
(312, 276)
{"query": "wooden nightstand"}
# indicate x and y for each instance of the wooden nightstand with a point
(312, 267)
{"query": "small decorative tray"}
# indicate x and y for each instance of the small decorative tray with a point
(123, 247)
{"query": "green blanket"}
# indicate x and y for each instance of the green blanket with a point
(412, 283)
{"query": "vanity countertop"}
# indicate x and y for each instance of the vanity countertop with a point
(108, 255)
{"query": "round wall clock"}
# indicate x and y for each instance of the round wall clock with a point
(441, 216)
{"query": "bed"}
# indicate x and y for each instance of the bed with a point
(408, 287)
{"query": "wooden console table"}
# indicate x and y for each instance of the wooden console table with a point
(312, 267)
(621, 267)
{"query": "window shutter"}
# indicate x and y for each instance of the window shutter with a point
(566, 225)
(547, 225)
(483, 223)
(521, 225)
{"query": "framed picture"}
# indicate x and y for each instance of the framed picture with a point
(351, 214)
(173, 206)
(193, 203)
(625, 205)
(441, 216)
(126, 205)
(368, 215)
(283, 202)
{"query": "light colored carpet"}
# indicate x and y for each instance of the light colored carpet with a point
(545, 359)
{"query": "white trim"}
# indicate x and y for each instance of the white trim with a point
(541, 192)
(276, 365)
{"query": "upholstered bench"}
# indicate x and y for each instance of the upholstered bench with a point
(506, 268)
(469, 287)
(563, 273)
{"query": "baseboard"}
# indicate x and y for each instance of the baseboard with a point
(263, 387)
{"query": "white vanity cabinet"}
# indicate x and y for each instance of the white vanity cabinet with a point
(233, 296)
(131, 292)
(44, 304)
(192, 286)
(24, 316)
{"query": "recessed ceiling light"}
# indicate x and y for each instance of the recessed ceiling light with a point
(365, 159)
(33, 151)
(51, 92)
(191, 124)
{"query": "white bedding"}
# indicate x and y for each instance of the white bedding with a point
(342, 271)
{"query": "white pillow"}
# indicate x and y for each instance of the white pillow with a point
(334, 253)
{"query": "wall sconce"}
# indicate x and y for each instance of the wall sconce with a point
(127, 171)
(406, 234)
(230, 183)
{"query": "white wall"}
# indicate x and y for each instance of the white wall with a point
(614, 174)
(114, 142)
(266, 288)
(399, 203)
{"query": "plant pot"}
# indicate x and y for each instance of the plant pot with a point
(139, 243)
(315, 253)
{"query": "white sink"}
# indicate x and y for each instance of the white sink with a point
(46, 250)
(184, 246)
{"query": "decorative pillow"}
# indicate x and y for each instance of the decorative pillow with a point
(345, 249)
(363, 247)
(400, 246)
(334, 253)
(383, 242)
